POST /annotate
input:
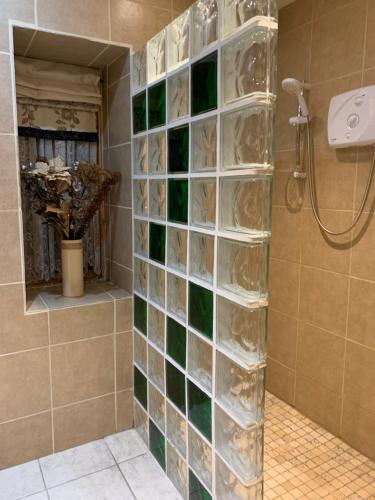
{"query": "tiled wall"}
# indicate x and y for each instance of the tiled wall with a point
(322, 290)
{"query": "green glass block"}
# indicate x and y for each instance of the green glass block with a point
(176, 341)
(140, 387)
(178, 149)
(201, 309)
(157, 443)
(178, 199)
(176, 386)
(139, 112)
(199, 405)
(196, 490)
(140, 314)
(157, 242)
(204, 84)
(156, 105)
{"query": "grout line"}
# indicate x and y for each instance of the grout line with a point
(117, 464)
(119, 145)
(123, 77)
(29, 44)
(36, 12)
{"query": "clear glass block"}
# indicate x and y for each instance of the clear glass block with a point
(156, 56)
(241, 448)
(176, 429)
(140, 351)
(177, 249)
(141, 422)
(248, 65)
(156, 368)
(140, 68)
(200, 457)
(243, 269)
(177, 470)
(200, 361)
(203, 202)
(204, 24)
(158, 193)
(140, 197)
(228, 486)
(178, 40)
(204, 150)
(202, 256)
(140, 276)
(156, 326)
(157, 285)
(141, 237)
(176, 296)
(157, 153)
(247, 138)
(245, 205)
(239, 390)
(178, 95)
(242, 332)
(235, 13)
(140, 155)
(156, 406)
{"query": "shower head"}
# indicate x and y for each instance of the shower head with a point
(293, 86)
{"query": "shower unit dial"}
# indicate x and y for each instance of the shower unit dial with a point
(351, 118)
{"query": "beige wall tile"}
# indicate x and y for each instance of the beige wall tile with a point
(22, 10)
(124, 410)
(10, 249)
(358, 429)
(365, 158)
(124, 361)
(363, 266)
(6, 97)
(181, 5)
(82, 370)
(119, 68)
(360, 377)
(119, 125)
(280, 381)
(295, 15)
(84, 422)
(120, 161)
(370, 36)
(283, 286)
(25, 384)
(121, 234)
(286, 233)
(122, 277)
(361, 318)
(124, 315)
(322, 7)
(288, 191)
(8, 173)
(282, 338)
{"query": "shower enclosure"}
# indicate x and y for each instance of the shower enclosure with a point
(203, 104)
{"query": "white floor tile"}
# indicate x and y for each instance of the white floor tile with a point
(76, 462)
(126, 445)
(147, 480)
(38, 496)
(104, 485)
(20, 481)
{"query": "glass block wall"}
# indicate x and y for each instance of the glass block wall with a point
(203, 103)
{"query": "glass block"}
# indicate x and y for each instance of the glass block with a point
(156, 368)
(176, 386)
(177, 470)
(247, 138)
(157, 406)
(204, 24)
(176, 429)
(157, 444)
(196, 490)
(229, 486)
(177, 249)
(141, 422)
(156, 105)
(157, 285)
(204, 84)
(202, 256)
(176, 342)
(200, 457)
(199, 404)
(140, 351)
(139, 68)
(156, 326)
(140, 155)
(140, 387)
(141, 237)
(178, 191)
(248, 65)
(140, 276)
(201, 309)
(157, 153)
(178, 149)
(140, 197)
(178, 40)
(157, 242)
(204, 150)
(178, 95)
(156, 56)
(157, 199)
(140, 314)
(245, 205)
(203, 202)
(240, 391)
(235, 13)
(176, 296)
(243, 269)
(241, 332)
(200, 361)
(139, 113)
(241, 448)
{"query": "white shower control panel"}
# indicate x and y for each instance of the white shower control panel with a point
(351, 118)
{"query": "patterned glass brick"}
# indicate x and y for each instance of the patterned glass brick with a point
(204, 145)
(203, 202)
(140, 155)
(140, 197)
(140, 68)
(204, 84)
(156, 406)
(204, 24)
(157, 242)
(141, 421)
(176, 341)
(236, 13)
(139, 113)
(200, 457)
(157, 199)
(156, 56)
(178, 41)
(157, 153)
(200, 361)
(140, 387)
(201, 309)
(140, 314)
(202, 256)
(176, 296)
(156, 367)
(178, 149)
(200, 410)
(176, 429)
(140, 276)
(157, 285)
(156, 326)
(156, 105)
(196, 490)
(177, 249)
(177, 470)
(140, 351)
(157, 444)
(229, 486)
(178, 95)
(141, 237)
(176, 386)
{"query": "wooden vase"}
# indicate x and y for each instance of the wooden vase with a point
(72, 268)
